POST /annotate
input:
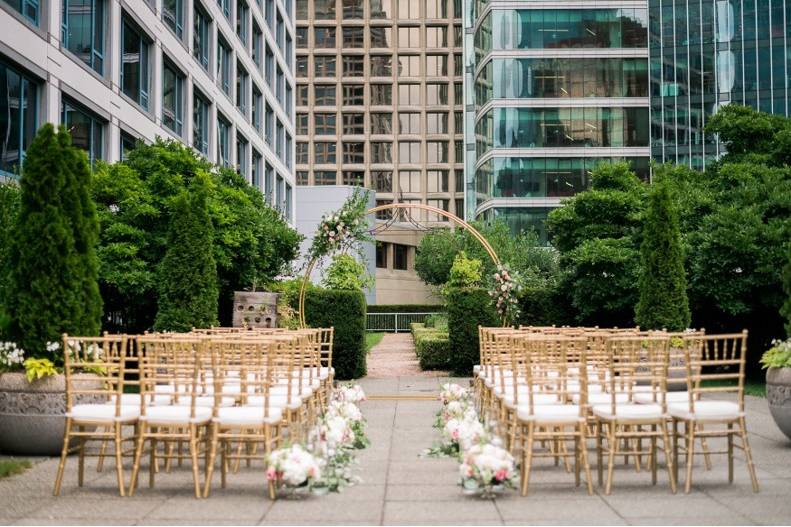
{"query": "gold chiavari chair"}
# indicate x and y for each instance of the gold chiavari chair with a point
(326, 371)
(257, 420)
(551, 370)
(621, 420)
(94, 374)
(175, 404)
(715, 367)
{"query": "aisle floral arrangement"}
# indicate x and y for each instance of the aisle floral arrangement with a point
(485, 467)
(325, 463)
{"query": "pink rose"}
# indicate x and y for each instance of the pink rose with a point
(501, 474)
(271, 474)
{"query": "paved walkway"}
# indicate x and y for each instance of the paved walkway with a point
(395, 356)
(401, 488)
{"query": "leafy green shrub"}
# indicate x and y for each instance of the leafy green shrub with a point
(465, 272)
(188, 274)
(433, 352)
(438, 321)
(467, 309)
(53, 284)
(9, 208)
(786, 309)
(347, 273)
(345, 311)
(778, 356)
(406, 308)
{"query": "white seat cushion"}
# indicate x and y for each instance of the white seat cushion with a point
(602, 398)
(629, 411)
(538, 398)
(281, 389)
(247, 416)
(279, 401)
(670, 397)
(550, 413)
(476, 369)
(206, 401)
(706, 410)
(324, 372)
(104, 412)
(175, 415)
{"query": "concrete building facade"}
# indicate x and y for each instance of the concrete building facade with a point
(214, 74)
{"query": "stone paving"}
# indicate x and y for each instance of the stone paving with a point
(401, 488)
(395, 356)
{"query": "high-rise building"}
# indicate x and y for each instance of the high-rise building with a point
(214, 74)
(379, 98)
(708, 54)
(553, 88)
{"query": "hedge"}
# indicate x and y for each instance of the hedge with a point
(345, 311)
(468, 308)
(432, 347)
(406, 308)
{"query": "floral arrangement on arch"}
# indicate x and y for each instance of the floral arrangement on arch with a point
(340, 230)
(505, 289)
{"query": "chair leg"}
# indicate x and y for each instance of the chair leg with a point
(748, 453)
(139, 443)
(704, 448)
(212, 452)
(224, 462)
(612, 444)
(577, 460)
(194, 455)
(730, 452)
(584, 454)
(690, 425)
(63, 455)
(119, 463)
(599, 452)
(267, 450)
(153, 463)
(671, 458)
(102, 450)
(652, 460)
(527, 458)
(81, 464)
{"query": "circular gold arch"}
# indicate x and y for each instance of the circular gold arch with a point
(394, 206)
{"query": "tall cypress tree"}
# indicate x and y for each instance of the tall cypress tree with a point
(188, 295)
(786, 309)
(48, 282)
(663, 299)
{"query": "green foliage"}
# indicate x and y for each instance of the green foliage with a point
(663, 299)
(188, 274)
(544, 305)
(750, 135)
(786, 310)
(438, 321)
(372, 339)
(345, 311)
(465, 272)
(778, 356)
(52, 287)
(467, 309)
(12, 467)
(406, 308)
(432, 346)
(346, 272)
(36, 369)
(9, 208)
(252, 243)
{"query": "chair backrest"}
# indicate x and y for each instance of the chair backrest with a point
(715, 365)
(175, 367)
(327, 336)
(93, 368)
(242, 368)
(637, 360)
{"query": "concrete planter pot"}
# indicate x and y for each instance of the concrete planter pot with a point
(32, 414)
(778, 393)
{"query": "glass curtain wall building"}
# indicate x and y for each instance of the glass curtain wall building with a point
(705, 55)
(552, 90)
(190, 70)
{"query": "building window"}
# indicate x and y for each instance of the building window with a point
(325, 177)
(241, 156)
(134, 63)
(354, 123)
(409, 65)
(353, 95)
(128, 143)
(242, 12)
(381, 255)
(381, 152)
(200, 37)
(279, 194)
(409, 94)
(436, 37)
(270, 14)
(354, 178)
(324, 123)
(409, 123)
(172, 97)
(302, 37)
(352, 9)
(436, 65)
(353, 153)
(353, 65)
(436, 9)
(302, 178)
(353, 37)
(381, 37)
(255, 174)
(303, 153)
(409, 9)
(269, 125)
(437, 180)
(288, 202)
(241, 88)
(18, 117)
(223, 141)
(224, 65)
(324, 66)
(200, 123)
(324, 95)
(258, 108)
(86, 130)
(173, 16)
(324, 9)
(83, 31)
(409, 181)
(225, 5)
(302, 95)
(381, 123)
(409, 152)
(279, 140)
(28, 8)
(436, 94)
(437, 151)
(442, 204)
(382, 9)
(301, 124)
(381, 66)
(400, 253)
(382, 181)
(458, 152)
(437, 123)
(279, 80)
(288, 150)
(324, 37)
(324, 153)
(382, 94)
(269, 67)
(408, 37)
(269, 183)
(258, 45)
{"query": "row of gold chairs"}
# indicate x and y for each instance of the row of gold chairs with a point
(239, 392)
(623, 388)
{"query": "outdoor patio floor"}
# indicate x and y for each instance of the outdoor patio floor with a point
(401, 488)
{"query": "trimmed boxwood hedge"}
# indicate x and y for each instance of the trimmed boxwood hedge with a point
(406, 308)
(432, 347)
(345, 311)
(468, 308)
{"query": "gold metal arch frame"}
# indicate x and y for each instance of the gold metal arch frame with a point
(394, 206)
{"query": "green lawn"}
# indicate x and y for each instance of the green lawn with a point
(10, 467)
(371, 340)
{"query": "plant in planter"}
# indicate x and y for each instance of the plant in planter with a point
(54, 222)
(777, 361)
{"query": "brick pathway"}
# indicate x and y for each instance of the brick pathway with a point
(395, 356)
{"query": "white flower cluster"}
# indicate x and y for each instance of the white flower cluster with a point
(352, 393)
(465, 432)
(485, 465)
(293, 466)
(453, 392)
(506, 287)
(11, 356)
(331, 436)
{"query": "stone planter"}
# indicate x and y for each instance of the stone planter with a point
(31, 414)
(778, 393)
